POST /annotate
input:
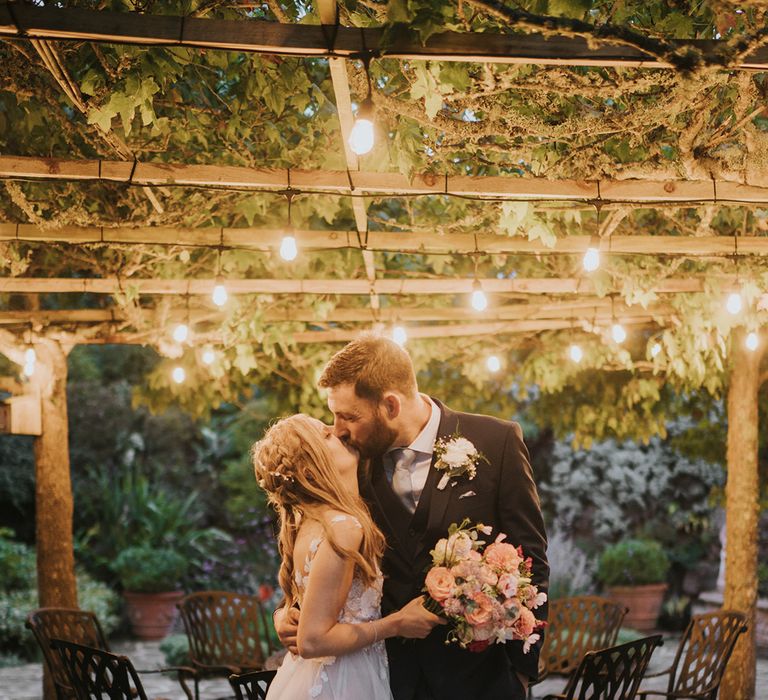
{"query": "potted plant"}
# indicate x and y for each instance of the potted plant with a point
(150, 577)
(634, 574)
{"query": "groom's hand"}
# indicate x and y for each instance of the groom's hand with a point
(287, 628)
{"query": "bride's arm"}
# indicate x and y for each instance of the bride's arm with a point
(320, 633)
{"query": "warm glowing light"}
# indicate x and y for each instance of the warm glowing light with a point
(181, 333)
(399, 335)
(575, 353)
(591, 259)
(30, 359)
(220, 295)
(655, 349)
(208, 356)
(618, 333)
(361, 137)
(178, 374)
(493, 363)
(734, 303)
(752, 341)
(288, 248)
(479, 301)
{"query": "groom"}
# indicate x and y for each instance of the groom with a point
(377, 408)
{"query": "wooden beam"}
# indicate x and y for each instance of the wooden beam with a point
(21, 20)
(113, 285)
(599, 310)
(400, 241)
(338, 182)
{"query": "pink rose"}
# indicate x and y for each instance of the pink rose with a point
(481, 612)
(453, 606)
(440, 583)
(502, 556)
(486, 576)
(483, 632)
(508, 584)
(526, 623)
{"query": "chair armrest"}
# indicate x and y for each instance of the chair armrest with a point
(168, 669)
(663, 693)
(656, 675)
(553, 697)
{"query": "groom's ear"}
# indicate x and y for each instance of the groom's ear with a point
(391, 403)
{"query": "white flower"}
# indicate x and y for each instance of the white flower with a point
(438, 553)
(528, 642)
(539, 600)
(459, 545)
(485, 529)
(457, 451)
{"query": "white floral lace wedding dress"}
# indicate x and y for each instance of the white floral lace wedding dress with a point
(361, 675)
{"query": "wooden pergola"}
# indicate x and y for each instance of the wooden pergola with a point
(533, 304)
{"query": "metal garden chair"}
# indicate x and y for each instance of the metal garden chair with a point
(702, 656)
(610, 674)
(225, 632)
(253, 685)
(95, 674)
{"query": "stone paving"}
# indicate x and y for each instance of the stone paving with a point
(23, 682)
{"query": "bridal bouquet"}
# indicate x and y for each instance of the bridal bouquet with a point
(486, 593)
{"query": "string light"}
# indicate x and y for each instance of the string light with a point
(30, 360)
(591, 259)
(478, 300)
(752, 341)
(288, 248)
(734, 303)
(655, 349)
(399, 335)
(208, 356)
(219, 296)
(575, 353)
(362, 137)
(178, 375)
(493, 363)
(618, 333)
(181, 333)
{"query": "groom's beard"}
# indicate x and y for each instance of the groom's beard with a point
(378, 441)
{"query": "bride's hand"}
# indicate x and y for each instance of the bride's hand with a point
(415, 621)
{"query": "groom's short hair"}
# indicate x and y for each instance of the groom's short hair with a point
(373, 365)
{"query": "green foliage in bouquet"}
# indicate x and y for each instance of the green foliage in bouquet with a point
(633, 563)
(146, 569)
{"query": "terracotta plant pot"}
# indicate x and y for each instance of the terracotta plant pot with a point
(644, 603)
(152, 614)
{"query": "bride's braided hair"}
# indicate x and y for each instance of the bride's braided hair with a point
(292, 465)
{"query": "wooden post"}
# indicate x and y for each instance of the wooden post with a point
(741, 512)
(56, 582)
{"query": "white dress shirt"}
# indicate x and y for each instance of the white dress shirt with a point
(417, 471)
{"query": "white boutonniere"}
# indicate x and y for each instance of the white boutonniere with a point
(456, 456)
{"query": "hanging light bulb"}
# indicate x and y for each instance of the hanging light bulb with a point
(655, 349)
(30, 360)
(575, 353)
(361, 138)
(219, 295)
(734, 303)
(618, 333)
(181, 333)
(478, 300)
(752, 341)
(493, 363)
(288, 248)
(178, 374)
(591, 259)
(208, 356)
(399, 335)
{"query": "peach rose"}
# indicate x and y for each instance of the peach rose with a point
(482, 612)
(526, 623)
(502, 556)
(508, 584)
(440, 583)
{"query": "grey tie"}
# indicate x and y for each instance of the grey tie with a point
(402, 485)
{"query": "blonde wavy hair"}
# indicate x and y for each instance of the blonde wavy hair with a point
(292, 464)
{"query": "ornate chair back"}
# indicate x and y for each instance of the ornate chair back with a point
(613, 673)
(575, 626)
(703, 653)
(253, 685)
(95, 674)
(224, 631)
(69, 624)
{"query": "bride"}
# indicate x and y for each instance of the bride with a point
(330, 551)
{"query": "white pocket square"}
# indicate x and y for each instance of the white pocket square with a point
(467, 494)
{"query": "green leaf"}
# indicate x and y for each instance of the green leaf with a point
(540, 231)
(512, 216)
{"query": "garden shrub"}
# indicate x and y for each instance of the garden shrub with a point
(175, 648)
(146, 569)
(570, 570)
(633, 563)
(17, 563)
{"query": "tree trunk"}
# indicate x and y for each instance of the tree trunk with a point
(56, 583)
(741, 513)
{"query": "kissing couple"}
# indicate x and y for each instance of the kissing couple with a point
(361, 504)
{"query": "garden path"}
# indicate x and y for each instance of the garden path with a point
(23, 682)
